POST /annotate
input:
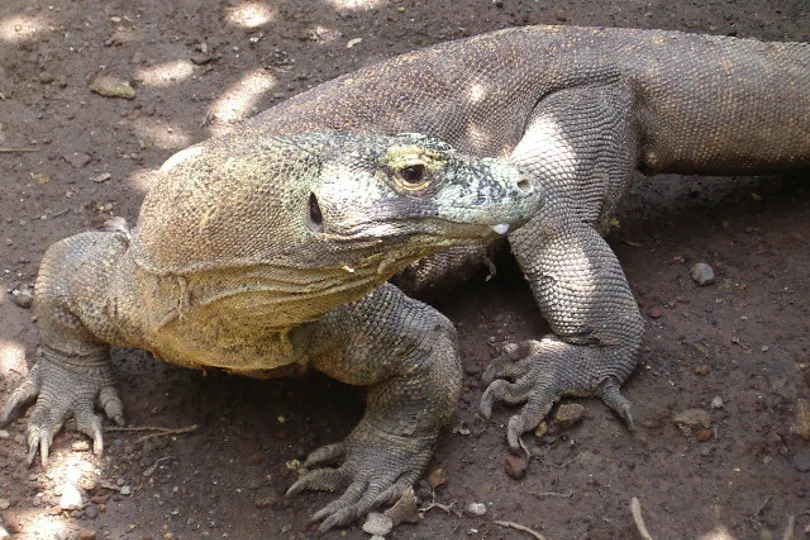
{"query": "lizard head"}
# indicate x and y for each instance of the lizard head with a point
(321, 218)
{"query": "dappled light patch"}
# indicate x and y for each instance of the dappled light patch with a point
(161, 134)
(718, 533)
(166, 74)
(237, 103)
(250, 15)
(356, 5)
(12, 359)
(20, 28)
(41, 525)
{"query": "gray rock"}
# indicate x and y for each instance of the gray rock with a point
(703, 274)
(378, 524)
(801, 461)
(691, 419)
(475, 509)
(569, 414)
(71, 498)
(23, 296)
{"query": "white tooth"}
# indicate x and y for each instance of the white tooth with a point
(501, 228)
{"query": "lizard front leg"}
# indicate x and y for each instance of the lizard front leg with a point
(407, 352)
(583, 294)
(581, 144)
(72, 371)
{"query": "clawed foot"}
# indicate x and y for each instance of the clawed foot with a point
(377, 468)
(60, 394)
(539, 373)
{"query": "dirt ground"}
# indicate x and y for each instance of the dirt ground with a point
(737, 349)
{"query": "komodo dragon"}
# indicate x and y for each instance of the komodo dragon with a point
(263, 255)
(581, 108)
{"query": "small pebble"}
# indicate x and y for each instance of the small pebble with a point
(4, 434)
(4, 504)
(86, 534)
(542, 430)
(111, 86)
(515, 467)
(404, 510)
(378, 524)
(691, 419)
(569, 414)
(702, 274)
(23, 296)
(717, 402)
(475, 509)
(801, 460)
(91, 512)
(80, 446)
(437, 477)
(71, 498)
(78, 159)
(704, 434)
(126, 490)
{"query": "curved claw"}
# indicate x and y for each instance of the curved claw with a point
(22, 397)
(60, 394)
(327, 479)
(548, 370)
(377, 468)
(612, 397)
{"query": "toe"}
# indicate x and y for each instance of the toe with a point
(90, 424)
(320, 480)
(22, 396)
(352, 494)
(612, 397)
(535, 410)
(325, 454)
(109, 401)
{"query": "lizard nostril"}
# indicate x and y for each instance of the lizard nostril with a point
(315, 215)
(524, 185)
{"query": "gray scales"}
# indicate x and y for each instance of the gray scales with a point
(578, 109)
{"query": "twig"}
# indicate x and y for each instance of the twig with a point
(762, 507)
(16, 150)
(540, 494)
(635, 508)
(161, 431)
(177, 431)
(447, 508)
(790, 531)
(151, 470)
(519, 527)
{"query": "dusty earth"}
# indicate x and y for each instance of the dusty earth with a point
(737, 349)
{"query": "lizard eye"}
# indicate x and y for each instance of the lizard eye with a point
(413, 177)
(413, 174)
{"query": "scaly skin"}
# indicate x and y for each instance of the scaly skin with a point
(266, 256)
(582, 108)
